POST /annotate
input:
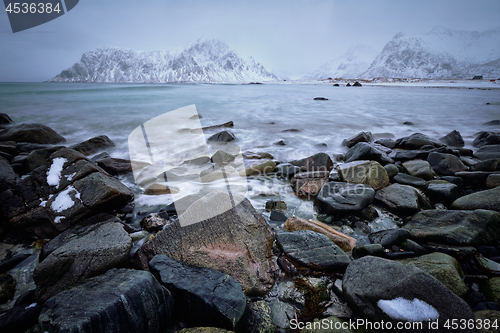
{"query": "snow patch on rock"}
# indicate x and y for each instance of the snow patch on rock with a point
(400, 308)
(54, 173)
(63, 201)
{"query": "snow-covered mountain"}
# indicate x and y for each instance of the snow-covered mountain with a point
(205, 61)
(349, 66)
(441, 54)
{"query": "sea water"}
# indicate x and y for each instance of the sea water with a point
(262, 116)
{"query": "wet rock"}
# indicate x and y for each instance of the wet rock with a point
(443, 267)
(203, 296)
(259, 168)
(445, 164)
(226, 124)
(493, 181)
(394, 237)
(22, 316)
(364, 151)
(454, 180)
(338, 197)
(487, 165)
(356, 84)
(5, 119)
(389, 143)
(224, 136)
(366, 282)
(402, 199)
(249, 155)
(277, 216)
(491, 289)
(280, 143)
(453, 139)
(404, 179)
(276, 205)
(487, 199)
(376, 250)
(320, 99)
(364, 172)
(391, 169)
(474, 179)
(8, 177)
(40, 157)
(237, 242)
(313, 250)
(405, 155)
(86, 251)
(486, 138)
(417, 141)
(115, 166)
(259, 318)
(93, 145)
(153, 222)
(443, 192)
(316, 162)
(309, 183)
(360, 137)
(7, 287)
(222, 157)
(459, 227)
(286, 170)
(159, 189)
(488, 152)
(419, 168)
(343, 241)
(33, 133)
(121, 300)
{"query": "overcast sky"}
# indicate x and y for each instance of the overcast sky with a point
(288, 37)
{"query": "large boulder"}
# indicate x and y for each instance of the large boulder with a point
(443, 267)
(313, 250)
(360, 137)
(487, 199)
(382, 289)
(34, 133)
(115, 166)
(365, 151)
(5, 119)
(236, 242)
(445, 164)
(487, 165)
(459, 227)
(93, 145)
(488, 152)
(224, 136)
(121, 300)
(417, 141)
(8, 178)
(345, 242)
(316, 162)
(486, 138)
(403, 199)
(203, 296)
(78, 253)
(419, 168)
(364, 172)
(443, 192)
(404, 179)
(453, 139)
(338, 197)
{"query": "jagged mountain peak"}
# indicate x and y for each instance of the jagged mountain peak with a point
(205, 60)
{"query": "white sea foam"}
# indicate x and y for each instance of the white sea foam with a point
(54, 173)
(416, 310)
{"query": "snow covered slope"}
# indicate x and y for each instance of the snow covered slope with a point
(441, 54)
(349, 66)
(204, 61)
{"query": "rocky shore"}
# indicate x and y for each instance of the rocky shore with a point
(407, 230)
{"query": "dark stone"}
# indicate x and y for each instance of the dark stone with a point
(7, 288)
(475, 179)
(22, 316)
(236, 242)
(203, 296)
(486, 138)
(115, 166)
(93, 145)
(277, 216)
(121, 300)
(316, 162)
(402, 199)
(402, 178)
(367, 281)
(339, 197)
(226, 124)
(487, 199)
(445, 164)
(364, 151)
(348, 84)
(100, 156)
(389, 143)
(392, 170)
(224, 136)
(410, 245)
(459, 227)
(487, 165)
(286, 170)
(276, 205)
(356, 84)
(153, 222)
(416, 141)
(409, 123)
(33, 133)
(280, 143)
(488, 152)
(376, 250)
(452, 250)
(405, 155)
(492, 123)
(320, 99)
(453, 139)
(419, 168)
(443, 192)
(5, 119)
(8, 177)
(364, 172)
(40, 157)
(336, 85)
(394, 237)
(313, 250)
(454, 180)
(360, 137)
(249, 155)
(84, 251)
(309, 183)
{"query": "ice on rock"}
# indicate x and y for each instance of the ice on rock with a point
(54, 173)
(63, 200)
(416, 310)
